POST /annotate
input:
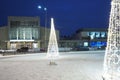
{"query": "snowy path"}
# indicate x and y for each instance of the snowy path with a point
(70, 66)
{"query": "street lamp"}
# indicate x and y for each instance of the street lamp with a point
(45, 9)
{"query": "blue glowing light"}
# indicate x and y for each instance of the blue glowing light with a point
(45, 9)
(39, 7)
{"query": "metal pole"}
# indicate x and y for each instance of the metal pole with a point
(45, 9)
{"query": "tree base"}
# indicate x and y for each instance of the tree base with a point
(52, 63)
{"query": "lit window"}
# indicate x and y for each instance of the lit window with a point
(92, 35)
(85, 44)
(102, 34)
(97, 34)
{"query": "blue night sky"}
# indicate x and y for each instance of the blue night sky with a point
(69, 15)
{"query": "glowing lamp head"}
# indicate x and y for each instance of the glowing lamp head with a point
(45, 9)
(39, 7)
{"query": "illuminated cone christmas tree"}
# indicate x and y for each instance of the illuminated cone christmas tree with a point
(53, 45)
(112, 54)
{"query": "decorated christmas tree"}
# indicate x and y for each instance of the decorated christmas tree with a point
(52, 45)
(112, 54)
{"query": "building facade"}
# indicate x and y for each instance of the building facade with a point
(4, 37)
(24, 32)
(92, 37)
(27, 32)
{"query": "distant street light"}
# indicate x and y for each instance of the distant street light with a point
(45, 9)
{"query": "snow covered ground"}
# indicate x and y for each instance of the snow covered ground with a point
(83, 65)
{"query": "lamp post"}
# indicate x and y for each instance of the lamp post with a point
(45, 9)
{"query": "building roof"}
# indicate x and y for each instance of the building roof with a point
(91, 29)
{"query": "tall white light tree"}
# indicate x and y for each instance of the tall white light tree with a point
(112, 54)
(52, 51)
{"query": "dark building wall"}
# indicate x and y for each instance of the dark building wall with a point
(4, 37)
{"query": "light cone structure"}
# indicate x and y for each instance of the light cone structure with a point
(112, 54)
(52, 51)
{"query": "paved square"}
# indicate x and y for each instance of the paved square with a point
(84, 65)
